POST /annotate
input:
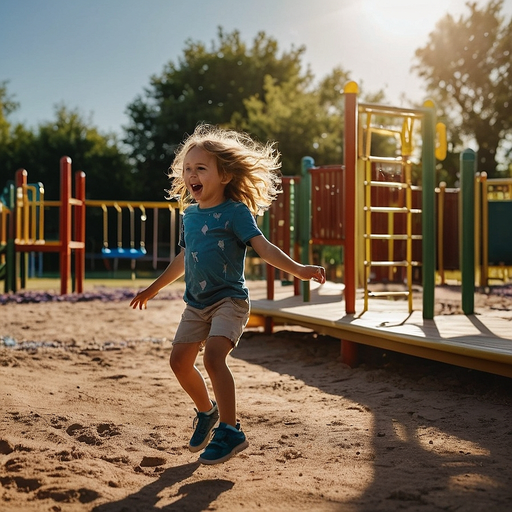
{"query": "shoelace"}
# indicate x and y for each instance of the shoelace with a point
(202, 427)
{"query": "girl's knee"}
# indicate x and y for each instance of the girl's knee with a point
(215, 354)
(174, 363)
(211, 362)
(180, 360)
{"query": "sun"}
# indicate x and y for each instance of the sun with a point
(403, 18)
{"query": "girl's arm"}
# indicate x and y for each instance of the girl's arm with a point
(174, 271)
(277, 258)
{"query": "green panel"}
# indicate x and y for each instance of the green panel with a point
(500, 237)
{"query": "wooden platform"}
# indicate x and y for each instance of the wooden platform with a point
(480, 342)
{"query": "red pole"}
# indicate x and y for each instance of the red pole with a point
(350, 152)
(349, 353)
(21, 177)
(80, 231)
(65, 223)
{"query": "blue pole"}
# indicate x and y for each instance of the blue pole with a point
(304, 218)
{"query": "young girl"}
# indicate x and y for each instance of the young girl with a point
(224, 179)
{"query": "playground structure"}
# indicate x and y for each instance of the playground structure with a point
(23, 228)
(366, 227)
(23, 213)
(138, 215)
(394, 234)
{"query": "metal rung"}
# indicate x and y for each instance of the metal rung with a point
(392, 184)
(387, 184)
(393, 237)
(403, 263)
(383, 159)
(390, 209)
(382, 294)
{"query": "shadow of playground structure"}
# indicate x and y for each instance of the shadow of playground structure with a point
(416, 404)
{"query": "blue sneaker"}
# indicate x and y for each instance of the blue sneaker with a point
(226, 442)
(203, 425)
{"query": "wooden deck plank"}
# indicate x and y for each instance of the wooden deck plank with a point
(482, 342)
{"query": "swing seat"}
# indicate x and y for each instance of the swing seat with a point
(119, 252)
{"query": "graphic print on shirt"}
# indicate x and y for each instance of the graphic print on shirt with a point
(215, 246)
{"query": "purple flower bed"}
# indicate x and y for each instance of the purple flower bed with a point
(102, 294)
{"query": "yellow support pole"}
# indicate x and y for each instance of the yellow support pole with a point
(440, 231)
(408, 199)
(484, 277)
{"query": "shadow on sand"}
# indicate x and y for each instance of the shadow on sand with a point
(191, 497)
(400, 392)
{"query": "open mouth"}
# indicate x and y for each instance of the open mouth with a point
(196, 187)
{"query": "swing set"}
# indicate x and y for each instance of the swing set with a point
(140, 217)
(131, 252)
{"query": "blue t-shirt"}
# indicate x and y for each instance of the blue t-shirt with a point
(215, 242)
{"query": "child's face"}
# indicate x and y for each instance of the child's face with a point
(202, 177)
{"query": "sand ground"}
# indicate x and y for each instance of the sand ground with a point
(92, 419)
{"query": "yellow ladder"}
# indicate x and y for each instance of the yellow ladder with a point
(404, 164)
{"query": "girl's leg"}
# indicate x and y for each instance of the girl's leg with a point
(216, 352)
(182, 361)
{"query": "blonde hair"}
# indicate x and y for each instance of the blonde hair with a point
(253, 167)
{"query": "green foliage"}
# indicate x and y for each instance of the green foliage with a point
(467, 65)
(99, 156)
(295, 118)
(256, 88)
(7, 106)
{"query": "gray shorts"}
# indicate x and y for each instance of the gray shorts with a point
(226, 318)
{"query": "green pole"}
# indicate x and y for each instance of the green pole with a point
(265, 224)
(292, 217)
(428, 210)
(467, 246)
(10, 269)
(304, 218)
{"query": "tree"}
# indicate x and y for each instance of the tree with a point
(7, 107)
(467, 65)
(12, 138)
(109, 173)
(209, 85)
(298, 118)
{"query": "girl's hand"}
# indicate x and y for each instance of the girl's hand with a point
(314, 272)
(141, 299)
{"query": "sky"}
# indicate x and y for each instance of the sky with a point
(97, 56)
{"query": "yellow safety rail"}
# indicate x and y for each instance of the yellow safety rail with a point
(30, 215)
